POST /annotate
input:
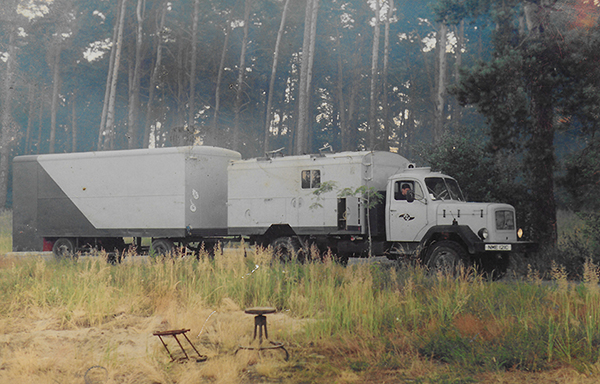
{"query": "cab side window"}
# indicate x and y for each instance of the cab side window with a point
(402, 187)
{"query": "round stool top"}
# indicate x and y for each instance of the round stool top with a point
(260, 310)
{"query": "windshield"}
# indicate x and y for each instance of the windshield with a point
(443, 189)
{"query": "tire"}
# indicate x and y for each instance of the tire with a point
(114, 249)
(493, 266)
(447, 257)
(64, 248)
(162, 247)
(286, 249)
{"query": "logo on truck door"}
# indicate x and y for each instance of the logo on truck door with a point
(406, 217)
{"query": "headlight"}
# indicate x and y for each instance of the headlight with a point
(520, 233)
(483, 233)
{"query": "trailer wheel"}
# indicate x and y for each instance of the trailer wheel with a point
(447, 257)
(287, 248)
(63, 248)
(162, 247)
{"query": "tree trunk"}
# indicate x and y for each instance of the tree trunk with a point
(386, 55)
(269, 115)
(134, 87)
(111, 64)
(440, 85)
(540, 164)
(212, 136)
(7, 135)
(194, 54)
(300, 144)
(154, 77)
(110, 115)
(311, 60)
(180, 121)
(74, 122)
(40, 123)
(240, 80)
(55, 89)
(310, 25)
(540, 155)
(373, 121)
(340, 96)
(30, 115)
(349, 142)
(457, 113)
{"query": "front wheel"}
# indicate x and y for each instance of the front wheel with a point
(447, 257)
(493, 266)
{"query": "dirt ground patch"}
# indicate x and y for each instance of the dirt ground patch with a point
(41, 349)
(123, 350)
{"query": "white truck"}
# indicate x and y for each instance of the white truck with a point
(198, 196)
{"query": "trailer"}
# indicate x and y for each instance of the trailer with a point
(83, 201)
(348, 203)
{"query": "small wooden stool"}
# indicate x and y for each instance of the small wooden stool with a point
(260, 325)
(174, 333)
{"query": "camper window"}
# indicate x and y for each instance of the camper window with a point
(311, 179)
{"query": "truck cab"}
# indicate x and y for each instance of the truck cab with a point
(426, 212)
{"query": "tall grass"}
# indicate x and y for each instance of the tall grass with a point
(363, 318)
(369, 316)
(5, 231)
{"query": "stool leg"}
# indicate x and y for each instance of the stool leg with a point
(165, 345)
(266, 333)
(181, 346)
(188, 340)
(260, 322)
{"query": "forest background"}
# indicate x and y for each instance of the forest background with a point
(503, 95)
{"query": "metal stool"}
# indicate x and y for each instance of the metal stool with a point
(174, 333)
(260, 325)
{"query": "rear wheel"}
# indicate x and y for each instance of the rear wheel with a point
(64, 248)
(287, 248)
(162, 247)
(447, 257)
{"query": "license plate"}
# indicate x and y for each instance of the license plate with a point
(498, 247)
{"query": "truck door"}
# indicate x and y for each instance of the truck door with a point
(309, 215)
(405, 218)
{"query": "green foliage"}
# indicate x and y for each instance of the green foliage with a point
(538, 81)
(582, 182)
(466, 160)
(369, 195)
(582, 177)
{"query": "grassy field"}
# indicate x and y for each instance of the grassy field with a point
(76, 321)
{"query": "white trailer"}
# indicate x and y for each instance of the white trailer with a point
(95, 199)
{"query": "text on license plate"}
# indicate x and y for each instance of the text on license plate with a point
(498, 247)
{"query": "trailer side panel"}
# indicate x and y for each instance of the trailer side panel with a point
(163, 192)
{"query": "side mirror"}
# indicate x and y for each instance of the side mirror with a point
(410, 196)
